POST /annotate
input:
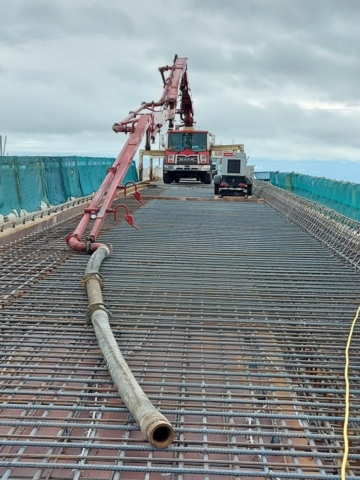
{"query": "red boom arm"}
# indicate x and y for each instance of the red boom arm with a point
(147, 120)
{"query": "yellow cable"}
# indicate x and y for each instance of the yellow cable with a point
(347, 398)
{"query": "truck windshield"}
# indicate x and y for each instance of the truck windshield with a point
(181, 141)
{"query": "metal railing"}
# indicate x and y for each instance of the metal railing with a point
(341, 234)
(31, 217)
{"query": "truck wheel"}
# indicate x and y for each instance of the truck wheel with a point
(167, 178)
(207, 178)
(249, 190)
(177, 180)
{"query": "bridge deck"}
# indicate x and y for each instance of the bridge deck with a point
(233, 321)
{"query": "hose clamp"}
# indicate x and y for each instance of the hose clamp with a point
(95, 276)
(96, 306)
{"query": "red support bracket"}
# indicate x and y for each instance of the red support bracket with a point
(128, 217)
(137, 194)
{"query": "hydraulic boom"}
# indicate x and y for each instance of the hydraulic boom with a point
(147, 120)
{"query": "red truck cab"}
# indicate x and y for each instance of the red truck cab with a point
(187, 155)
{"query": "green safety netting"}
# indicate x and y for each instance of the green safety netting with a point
(344, 197)
(281, 180)
(31, 181)
(26, 182)
(54, 182)
(9, 186)
(71, 177)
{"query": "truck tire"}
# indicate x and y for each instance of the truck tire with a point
(167, 177)
(207, 178)
(177, 180)
(249, 190)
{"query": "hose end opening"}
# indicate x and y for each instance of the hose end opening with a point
(162, 435)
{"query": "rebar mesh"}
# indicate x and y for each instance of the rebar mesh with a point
(232, 319)
(341, 234)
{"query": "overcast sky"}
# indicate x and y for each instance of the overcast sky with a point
(280, 76)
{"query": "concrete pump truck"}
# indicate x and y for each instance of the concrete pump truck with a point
(186, 153)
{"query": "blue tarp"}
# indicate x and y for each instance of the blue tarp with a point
(344, 197)
(32, 185)
(54, 182)
(26, 182)
(9, 186)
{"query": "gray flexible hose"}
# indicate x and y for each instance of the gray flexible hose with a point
(156, 428)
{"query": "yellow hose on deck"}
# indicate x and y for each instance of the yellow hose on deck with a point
(347, 397)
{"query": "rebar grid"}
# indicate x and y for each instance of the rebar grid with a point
(23, 263)
(341, 234)
(233, 321)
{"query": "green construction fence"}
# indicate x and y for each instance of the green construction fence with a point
(344, 197)
(28, 182)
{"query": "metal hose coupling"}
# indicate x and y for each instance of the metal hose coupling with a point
(156, 428)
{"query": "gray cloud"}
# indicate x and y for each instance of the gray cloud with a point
(69, 70)
(43, 20)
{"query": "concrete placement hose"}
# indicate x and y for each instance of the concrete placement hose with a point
(156, 428)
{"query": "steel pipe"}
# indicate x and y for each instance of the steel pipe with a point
(156, 428)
